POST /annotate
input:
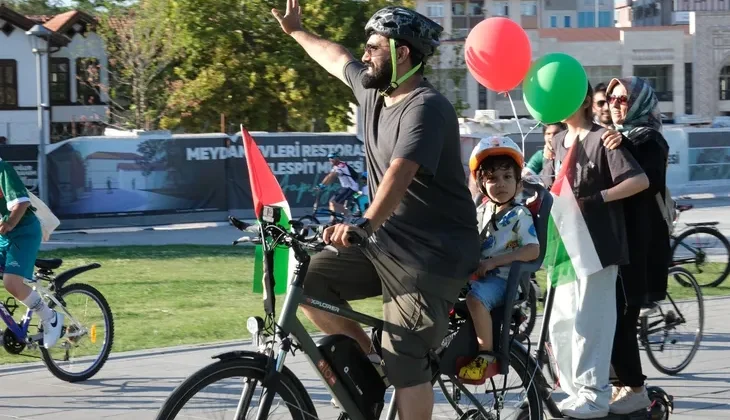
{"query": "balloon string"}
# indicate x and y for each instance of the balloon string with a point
(517, 120)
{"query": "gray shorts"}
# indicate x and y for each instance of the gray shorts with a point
(418, 303)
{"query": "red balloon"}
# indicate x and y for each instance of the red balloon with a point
(497, 52)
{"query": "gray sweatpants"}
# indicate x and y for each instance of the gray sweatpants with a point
(582, 327)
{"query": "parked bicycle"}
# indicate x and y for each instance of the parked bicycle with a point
(701, 249)
(73, 358)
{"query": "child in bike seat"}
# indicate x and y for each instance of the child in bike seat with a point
(508, 234)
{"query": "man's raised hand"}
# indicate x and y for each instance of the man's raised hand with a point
(292, 19)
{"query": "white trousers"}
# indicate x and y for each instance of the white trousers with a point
(582, 327)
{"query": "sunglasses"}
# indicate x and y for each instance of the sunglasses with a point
(601, 103)
(622, 100)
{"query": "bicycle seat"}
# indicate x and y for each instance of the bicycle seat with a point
(48, 263)
(684, 207)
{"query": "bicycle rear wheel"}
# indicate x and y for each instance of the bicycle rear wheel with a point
(705, 253)
(523, 403)
(674, 327)
(85, 346)
(231, 384)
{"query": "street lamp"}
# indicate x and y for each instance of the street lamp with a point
(39, 37)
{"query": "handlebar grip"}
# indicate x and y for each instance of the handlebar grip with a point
(238, 224)
(356, 239)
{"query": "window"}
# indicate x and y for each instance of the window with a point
(475, 8)
(88, 82)
(586, 19)
(458, 8)
(688, 88)
(434, 10)
(500, 8)
(659, 77)
(528, 8)
(725, 83)
(605, 20)
(8, 84)
(566, 21)
(59, 81)
(602, 74)
(482, 96)
(553, 21)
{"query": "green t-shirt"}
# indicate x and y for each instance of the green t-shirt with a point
(535, 162)
(13, 190)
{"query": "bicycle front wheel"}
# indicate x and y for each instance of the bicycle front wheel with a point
(231, 389)
(704, 252)
(89, 333)
(672, 332)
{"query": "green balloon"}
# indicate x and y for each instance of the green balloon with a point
(554, 87)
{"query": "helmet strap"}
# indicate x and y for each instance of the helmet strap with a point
(393, 82)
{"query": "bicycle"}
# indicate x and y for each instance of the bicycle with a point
(697, 257)
(653, 330)
(16, 337)
(338, 360)
(356, 206)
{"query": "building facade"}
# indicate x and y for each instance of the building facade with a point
(687, 64)
(73, 78)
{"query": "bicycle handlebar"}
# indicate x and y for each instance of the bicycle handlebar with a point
(289, 239)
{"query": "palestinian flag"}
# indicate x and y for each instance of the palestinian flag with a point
(570, 253)
(266, 191)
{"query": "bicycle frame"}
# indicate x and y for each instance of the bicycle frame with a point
(289, 325)
(19, 330)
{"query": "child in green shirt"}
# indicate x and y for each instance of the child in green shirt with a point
(20, 240)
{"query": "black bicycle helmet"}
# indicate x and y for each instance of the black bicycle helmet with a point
(404, 24)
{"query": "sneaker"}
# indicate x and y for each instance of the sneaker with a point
(615, 393)
(629, 401)
(476, 371)
(52, 330)
(580, 408)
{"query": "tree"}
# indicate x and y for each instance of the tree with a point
(141, 48)
(238, 62)
(37, 7)
(449, 68)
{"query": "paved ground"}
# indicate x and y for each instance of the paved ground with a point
(133, 385)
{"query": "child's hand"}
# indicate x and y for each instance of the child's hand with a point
(485, 266)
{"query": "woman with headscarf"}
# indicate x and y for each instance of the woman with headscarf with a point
(636, 117)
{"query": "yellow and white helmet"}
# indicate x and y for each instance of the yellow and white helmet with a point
(493, 146)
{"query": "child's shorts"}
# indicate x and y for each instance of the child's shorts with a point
(490, 290)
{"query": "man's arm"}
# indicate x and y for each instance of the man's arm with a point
(330, 55)
(391, 191)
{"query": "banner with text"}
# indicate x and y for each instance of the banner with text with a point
(188, 173)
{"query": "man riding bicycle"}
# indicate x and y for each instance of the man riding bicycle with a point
(349, 185)
(423, 241)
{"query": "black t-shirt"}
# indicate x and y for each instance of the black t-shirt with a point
(597, 169)
(434, 228)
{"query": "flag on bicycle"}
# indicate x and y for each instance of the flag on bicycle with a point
(266, 191)
(570, 252)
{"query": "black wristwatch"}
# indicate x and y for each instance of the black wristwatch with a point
(364, 224)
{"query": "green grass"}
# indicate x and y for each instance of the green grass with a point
(165, 296)
(172, 295)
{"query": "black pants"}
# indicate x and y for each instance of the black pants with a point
(625, 358)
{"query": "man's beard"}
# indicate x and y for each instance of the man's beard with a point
(379, 78)
(605, 119)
